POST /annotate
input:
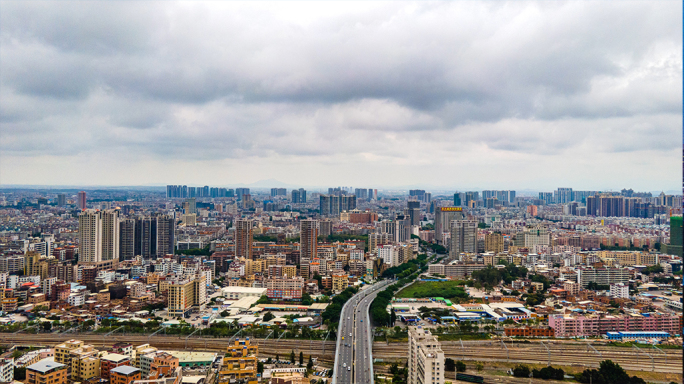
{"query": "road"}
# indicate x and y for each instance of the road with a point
(353, 358)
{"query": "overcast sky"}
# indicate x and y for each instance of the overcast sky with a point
(456, 94)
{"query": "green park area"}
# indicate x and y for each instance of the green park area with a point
(452, 290)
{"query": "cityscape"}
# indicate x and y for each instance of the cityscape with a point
(225, 285)
(341, 192)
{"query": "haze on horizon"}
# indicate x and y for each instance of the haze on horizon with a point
(500, 95)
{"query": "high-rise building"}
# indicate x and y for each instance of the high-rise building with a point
(299, 196)
(278, 192)
(413, 211)
(244, 238)
(190, 206)
(675, 246)
(463, 237)
(471, 196)
(563, 195)
(98, 233)
(61, 200)
(608, 205)
(425, 358)
(308, 239)
(402, 231)
(239, 192)
(166, 235)
(186, 294)
(443, 218)
(361, 193)
(177, 191)
(459, 199)
(546, 197)
(81, 201)
(127, 242)
(324, 228)
(332, 205)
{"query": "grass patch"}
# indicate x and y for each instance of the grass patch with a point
(447, 289)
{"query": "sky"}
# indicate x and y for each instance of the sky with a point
(457, 94)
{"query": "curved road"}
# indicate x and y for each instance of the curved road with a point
(353, 359)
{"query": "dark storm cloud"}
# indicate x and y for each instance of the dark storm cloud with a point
(203, 81)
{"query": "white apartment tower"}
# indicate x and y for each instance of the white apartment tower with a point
(98, 233)
(425, 359)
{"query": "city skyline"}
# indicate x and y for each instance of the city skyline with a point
(521, 95)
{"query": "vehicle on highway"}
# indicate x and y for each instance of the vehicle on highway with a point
(349, 334)
(348, 368)
(345, 365)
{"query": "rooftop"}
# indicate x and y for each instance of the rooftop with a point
(125, 370)
(45, 366)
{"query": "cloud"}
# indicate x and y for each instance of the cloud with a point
(392, 86)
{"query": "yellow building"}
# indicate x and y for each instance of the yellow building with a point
(494, 242)
(82, 358)
(240, 363)
(46, 372)
(186, 294)
(340, 282)
(63, 351)
(289, 270)
(627, 258)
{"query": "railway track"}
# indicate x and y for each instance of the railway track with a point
(559, 354)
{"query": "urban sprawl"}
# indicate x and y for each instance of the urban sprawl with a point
(213, 285)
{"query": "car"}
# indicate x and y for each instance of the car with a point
(348, 368)
(349, 334)
(362, 320)
(344, 365)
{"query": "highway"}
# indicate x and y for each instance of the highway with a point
(353, 358)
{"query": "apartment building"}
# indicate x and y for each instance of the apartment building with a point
(455, 270)
(186, 294)
(626, 258)
(602, 276)
(240, 363)
(340, 282)
(285, 288)
(581, 326)
(425, 358)
(124, 375)
(619, 290)
(46, 371)
(111, 361)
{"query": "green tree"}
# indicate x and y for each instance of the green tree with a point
(47, 326)
(301, 358)
(479, 366)
(306, 299)
(449, 365)
(521, 371)
(292, 357)
(264, 300)
(310, 364)
(268, 316)
(460, 366)
(260, 367)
